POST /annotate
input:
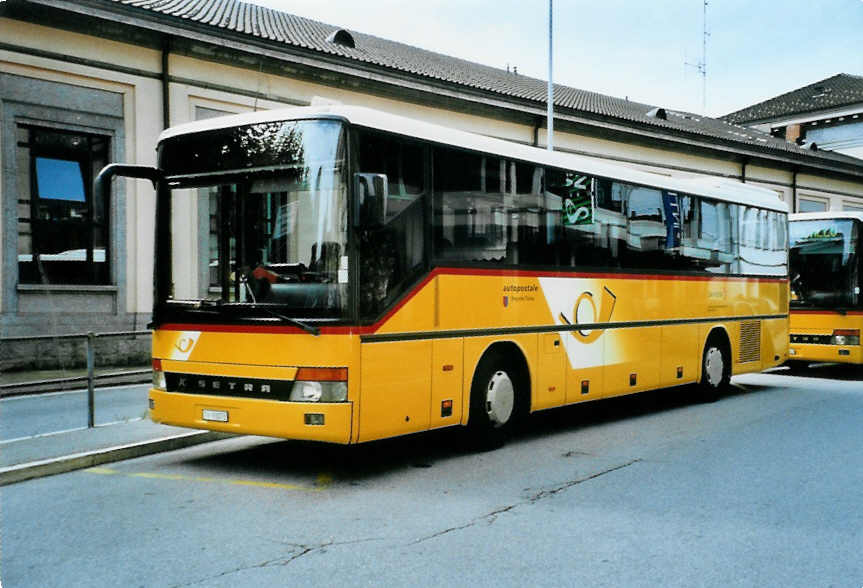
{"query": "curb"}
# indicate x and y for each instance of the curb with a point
(59, 465)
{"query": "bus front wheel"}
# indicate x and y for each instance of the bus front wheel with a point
(496, 400)
(715, 369)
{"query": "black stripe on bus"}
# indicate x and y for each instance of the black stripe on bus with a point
(458, 333)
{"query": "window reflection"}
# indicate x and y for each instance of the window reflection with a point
(825, 264)
(62, 229)
(489, 210)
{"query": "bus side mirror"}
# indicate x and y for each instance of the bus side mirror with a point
(371, 191)
(144, 172)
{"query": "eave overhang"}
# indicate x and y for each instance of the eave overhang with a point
(338, 71)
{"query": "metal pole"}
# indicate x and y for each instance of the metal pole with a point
(550, 116)
(704, 64)
(91, 400)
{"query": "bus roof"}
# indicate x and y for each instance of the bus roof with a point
(713, 187)
(829, 215)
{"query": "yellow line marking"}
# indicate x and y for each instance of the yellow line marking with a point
(272, 485)
(323, 480)
(157, 476)
(103, 471)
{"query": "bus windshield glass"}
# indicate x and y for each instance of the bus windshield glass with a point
(272, 231)
(824, 263)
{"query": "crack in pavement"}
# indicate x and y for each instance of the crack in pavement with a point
(546, 493)
(302, 550)
(491, 517)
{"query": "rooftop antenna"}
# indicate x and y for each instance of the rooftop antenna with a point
(701, 66)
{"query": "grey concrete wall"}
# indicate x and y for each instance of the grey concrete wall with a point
(42, 309)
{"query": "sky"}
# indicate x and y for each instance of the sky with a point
(756, 49)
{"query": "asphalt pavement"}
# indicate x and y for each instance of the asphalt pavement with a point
(46, 433)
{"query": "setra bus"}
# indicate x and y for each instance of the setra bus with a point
(826, 273)
(352, 275)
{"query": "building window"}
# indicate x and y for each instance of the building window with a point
(811, 205)
(62, 229)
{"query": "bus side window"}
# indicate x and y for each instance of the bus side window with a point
(393, 252)
(469, 207)
(586, 213)
(762, 241)
(645, 228)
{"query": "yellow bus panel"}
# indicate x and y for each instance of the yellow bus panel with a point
(395, 396)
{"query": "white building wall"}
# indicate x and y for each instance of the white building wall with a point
(142, 100)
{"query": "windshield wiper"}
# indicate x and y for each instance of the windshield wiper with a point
(297, 323)
(219, 307)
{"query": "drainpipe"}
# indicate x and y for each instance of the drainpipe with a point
(743, 169)
(794, 190)
(166, 82)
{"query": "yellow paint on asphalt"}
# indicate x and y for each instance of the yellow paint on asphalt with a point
(322, 483)
(105, 471)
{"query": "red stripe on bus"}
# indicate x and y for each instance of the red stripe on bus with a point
(829, 312)
(602, 275)
(280, 329)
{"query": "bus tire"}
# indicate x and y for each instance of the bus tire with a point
(715, 368)
(497, 399)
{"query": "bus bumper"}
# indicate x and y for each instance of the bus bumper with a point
(308, 421)
(826, 353)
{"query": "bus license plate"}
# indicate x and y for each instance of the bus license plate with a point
(218, 416)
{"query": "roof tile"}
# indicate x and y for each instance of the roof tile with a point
(290, 30)
(833, 92)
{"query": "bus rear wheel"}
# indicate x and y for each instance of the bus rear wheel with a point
(715, 369)
(496, 400)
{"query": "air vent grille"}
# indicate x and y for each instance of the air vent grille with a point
(750, 341)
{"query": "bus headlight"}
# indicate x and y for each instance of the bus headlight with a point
(319, 392)
(320, 385)
(159, 382)
(846, 337)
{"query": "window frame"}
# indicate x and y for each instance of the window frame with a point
(812, 198)
(97, 152)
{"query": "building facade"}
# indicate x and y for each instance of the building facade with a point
(90, 82)
(826, 115)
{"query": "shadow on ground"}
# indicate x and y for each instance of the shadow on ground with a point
(829, 371)
(424, 450)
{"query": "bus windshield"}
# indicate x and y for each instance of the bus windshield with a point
(824, 263)
(272, 232)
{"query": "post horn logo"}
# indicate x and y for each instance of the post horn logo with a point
(584, 313)
(184, 344)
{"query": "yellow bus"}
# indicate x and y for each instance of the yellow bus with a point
(826, 273)
(353, 275)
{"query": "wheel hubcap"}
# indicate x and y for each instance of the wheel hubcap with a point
(714, 366)
(499, 398)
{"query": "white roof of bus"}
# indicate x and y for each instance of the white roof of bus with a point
(830, 215)
(718, 188)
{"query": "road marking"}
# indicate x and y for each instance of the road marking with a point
(75, 391)
(52, 433)
(323, 481)
(40, 435)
